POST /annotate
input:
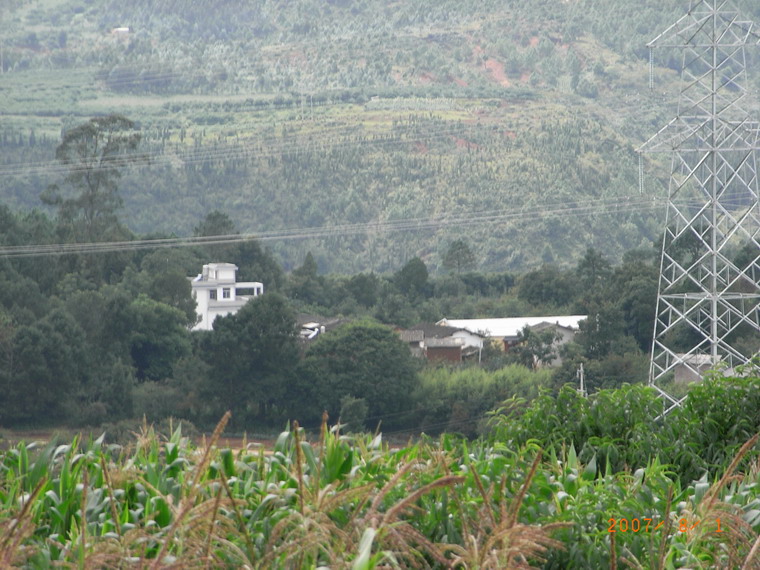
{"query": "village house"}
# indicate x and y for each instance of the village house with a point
(216, 293)
(692, 367)
(441, 343)
(311, 326)
(505, 333)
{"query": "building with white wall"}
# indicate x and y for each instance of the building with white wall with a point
(216, 293)
(505, 333)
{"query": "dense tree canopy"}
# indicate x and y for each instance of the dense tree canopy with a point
(251, 357)
(362, 360)
(412, 278)
(85, 344)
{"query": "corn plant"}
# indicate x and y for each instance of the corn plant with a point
(345, 501)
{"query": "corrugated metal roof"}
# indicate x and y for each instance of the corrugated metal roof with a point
(500, 328)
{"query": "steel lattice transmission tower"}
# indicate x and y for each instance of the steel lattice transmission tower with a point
(708, 302)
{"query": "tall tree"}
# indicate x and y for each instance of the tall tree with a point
(255, 263)
(459, 257)
(217, 223)
(304, 284)
(593, 274)
(43, 366)
(159, 338)
(412, 279)
(94, 154)
(546, 286)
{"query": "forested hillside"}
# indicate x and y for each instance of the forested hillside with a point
(402, 125)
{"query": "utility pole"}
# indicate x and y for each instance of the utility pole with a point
(581, 381)
(709, 288)
(2, 42)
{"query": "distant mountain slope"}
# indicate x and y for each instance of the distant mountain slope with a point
(510, 124)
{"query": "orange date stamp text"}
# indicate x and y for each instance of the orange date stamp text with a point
(650, 525)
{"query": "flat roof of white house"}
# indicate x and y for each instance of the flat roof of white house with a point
(222, 265)
(509, 327)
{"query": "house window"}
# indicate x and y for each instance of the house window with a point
(226, 293)
(212, 294)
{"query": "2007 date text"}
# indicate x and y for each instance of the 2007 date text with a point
(650, 525)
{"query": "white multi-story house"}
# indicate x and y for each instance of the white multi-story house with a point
(217, 294)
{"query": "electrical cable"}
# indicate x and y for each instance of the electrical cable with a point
(259, 150)
(606, 206)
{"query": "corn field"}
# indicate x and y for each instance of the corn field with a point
(352, 502)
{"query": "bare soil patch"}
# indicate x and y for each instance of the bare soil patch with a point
(497, 72)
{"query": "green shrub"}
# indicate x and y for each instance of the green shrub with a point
(353, 413)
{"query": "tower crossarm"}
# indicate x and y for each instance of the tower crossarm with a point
(696, 27)
(691, 134)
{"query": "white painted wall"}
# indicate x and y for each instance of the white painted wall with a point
(220, 277)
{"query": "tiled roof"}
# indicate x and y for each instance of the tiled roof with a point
(412, 335)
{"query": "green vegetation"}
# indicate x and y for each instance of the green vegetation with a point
(622, 428)
(506, 125)
(400, 162)
(353, 502)
(87, 339)
(458, 400)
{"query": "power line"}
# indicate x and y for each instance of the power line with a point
(260, 149)
(605, 206)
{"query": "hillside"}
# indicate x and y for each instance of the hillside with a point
(401, 125)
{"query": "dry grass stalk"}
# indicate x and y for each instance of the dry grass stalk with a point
(111, 500)
(403, 470)
(749, 562)
(328, 499)
(241, 523)
(507, 547)
(712, 494)
(486, 497)
(186, 503)
(666, 530)
(737, 536)
(518, 499)
(205, 537)
(295, 536)
(212, 521)
(299, 467)
(393, 512)
(19, 529)
(322, 444)
(506, 543)
(405, 536)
